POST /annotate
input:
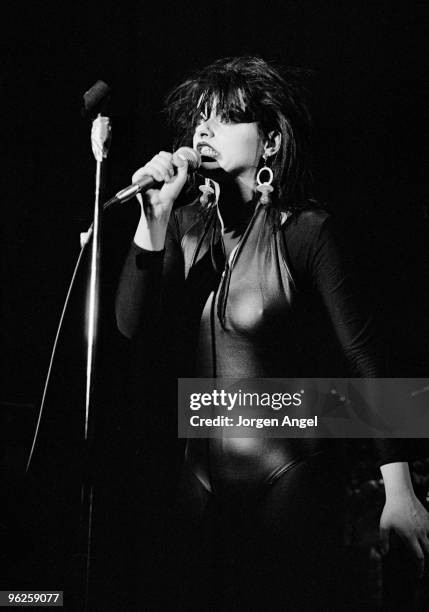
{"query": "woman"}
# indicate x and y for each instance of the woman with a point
(248, 281)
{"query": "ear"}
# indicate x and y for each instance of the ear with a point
(272, 143)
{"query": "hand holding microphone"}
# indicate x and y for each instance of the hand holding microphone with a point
(161, 168)
(161, 180)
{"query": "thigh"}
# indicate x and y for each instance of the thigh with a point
(212, 535)
(193, 536)
(297, 536)
(282, 545)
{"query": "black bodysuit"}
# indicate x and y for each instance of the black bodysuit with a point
(263, 296)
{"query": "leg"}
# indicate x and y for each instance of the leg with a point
(192, 536)
(294, 539)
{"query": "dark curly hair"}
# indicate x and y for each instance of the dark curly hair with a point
(247, 89)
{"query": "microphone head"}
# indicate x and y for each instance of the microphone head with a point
(191, 155)
(95, 99)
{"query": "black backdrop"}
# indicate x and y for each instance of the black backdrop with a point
(368, 62)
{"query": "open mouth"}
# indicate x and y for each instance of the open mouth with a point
(205, 159)
(207, 153)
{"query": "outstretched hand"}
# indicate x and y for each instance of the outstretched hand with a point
(405, 516)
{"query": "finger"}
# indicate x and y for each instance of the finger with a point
(418, 555)
(425, 547)
(182, 169)
(179, 160)
(166, 155)
(420, 562)
(148, 170)
(160, 167)
(165, 159)
(164, 166)
(182, 172)
(156, 168)
(424, 542)
(384, 541)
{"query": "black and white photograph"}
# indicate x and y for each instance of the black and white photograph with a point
(208, 203)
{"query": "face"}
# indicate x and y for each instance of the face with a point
(236, 148)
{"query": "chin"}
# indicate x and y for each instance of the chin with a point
(211, 169)
(209, 164)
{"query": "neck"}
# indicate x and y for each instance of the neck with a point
(245, 188)
(238, 188)
(237, 193)
(235, 206)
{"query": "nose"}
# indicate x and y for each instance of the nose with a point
(204, 129)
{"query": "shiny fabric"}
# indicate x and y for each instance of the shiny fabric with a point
(276, 302)
(280, 547)
(261, 517)
(251, 326)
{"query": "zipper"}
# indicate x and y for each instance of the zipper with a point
(226, 274)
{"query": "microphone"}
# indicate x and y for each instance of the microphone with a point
(147, 182)
(95, 100)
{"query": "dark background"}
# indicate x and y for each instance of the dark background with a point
(368, 61)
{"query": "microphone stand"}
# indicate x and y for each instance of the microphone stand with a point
(100, 140)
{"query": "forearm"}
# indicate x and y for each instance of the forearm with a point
(397, 479)
(139, 286)
(151, 231)
(151, 282)
(138, 295)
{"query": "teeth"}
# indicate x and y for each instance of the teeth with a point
(206, 150)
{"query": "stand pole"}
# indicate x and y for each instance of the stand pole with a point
(100, 139)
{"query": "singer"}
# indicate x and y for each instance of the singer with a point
(246, 280)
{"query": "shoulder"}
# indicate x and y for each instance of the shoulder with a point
(309, 219)
(310, 238)
(307, 227)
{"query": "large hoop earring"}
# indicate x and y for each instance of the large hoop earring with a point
(265, 187)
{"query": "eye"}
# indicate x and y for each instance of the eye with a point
(225, 120)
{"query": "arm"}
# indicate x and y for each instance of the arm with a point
(351, 322)
(154, 259)
(403, 513)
